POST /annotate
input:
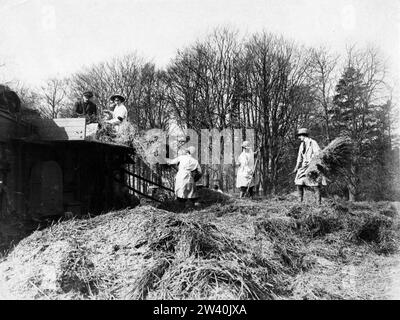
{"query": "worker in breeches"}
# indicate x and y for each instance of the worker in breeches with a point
(308, 149)
(185, 185)
(244, 178)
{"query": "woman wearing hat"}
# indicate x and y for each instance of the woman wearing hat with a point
(244, 178)
(120, 112)
(185, 186)
(307, 150)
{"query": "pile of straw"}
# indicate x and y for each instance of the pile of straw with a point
(192, 259)
(105, 133)
(378, 230)
(149, 145)
(207, 199)
(127, 134)
(318, 222)
(235, 249)
(77, 272)
(332, 160)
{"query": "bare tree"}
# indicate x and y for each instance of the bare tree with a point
(153, 104)
(275, 76)
(202, 86)
(261, 84)
(30, 101)
(323, 78)
(53, 96)
(120, 75)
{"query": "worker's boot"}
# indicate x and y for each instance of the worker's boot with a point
(190, 203)
(251, 193)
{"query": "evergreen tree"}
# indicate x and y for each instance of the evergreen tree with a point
(366, 125)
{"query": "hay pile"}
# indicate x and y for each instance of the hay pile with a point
(149, 145)
(234, 249)
(332, 160)
(210, 199)
(126, 133)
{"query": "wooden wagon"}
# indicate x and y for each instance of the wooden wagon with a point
(56, 166)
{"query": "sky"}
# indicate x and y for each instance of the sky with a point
(51, 38)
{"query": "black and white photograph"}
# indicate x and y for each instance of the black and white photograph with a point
(220, 152)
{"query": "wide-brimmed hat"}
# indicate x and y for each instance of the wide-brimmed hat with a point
(246, 144)
(112, 98)
(303, 132)
(191, 149)
(88, 94)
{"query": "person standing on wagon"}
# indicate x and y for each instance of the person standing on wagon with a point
(120, 113)
(87, 107)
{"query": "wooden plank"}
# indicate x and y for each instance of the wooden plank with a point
(61, 129)
(67, 129)
(65, 122)
(60, 136)
(74, 131)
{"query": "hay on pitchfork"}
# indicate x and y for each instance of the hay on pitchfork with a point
(332, 160)
(148, 145)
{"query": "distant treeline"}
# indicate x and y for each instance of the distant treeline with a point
(262, 82)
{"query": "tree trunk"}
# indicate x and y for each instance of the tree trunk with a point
(353, 183)
(207, 178)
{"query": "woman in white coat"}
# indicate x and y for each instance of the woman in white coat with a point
(244, 176)
(185, 186)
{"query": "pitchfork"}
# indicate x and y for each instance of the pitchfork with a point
(255, 168)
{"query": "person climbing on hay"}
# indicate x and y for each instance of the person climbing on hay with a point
(244, 178)
(308, 149)
(188, 173)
